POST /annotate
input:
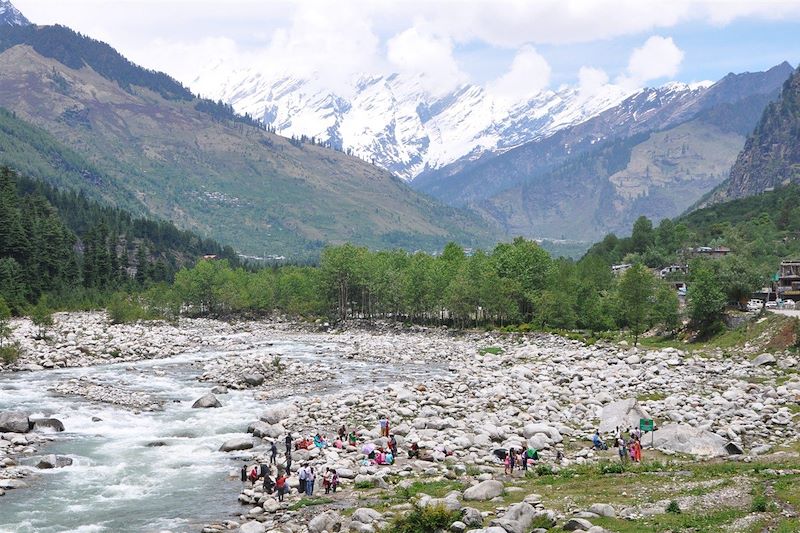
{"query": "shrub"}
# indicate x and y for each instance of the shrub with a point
(612, 468)
(673, 507)
(759, 504)
(424, 520)
(364, 485)
(123, 309)
(544, 470)
(10, 352)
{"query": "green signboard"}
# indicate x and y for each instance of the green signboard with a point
(646, 424)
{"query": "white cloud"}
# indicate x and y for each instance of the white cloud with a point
(528, 75)
(591, 79)
(659, 57)
(417, 51)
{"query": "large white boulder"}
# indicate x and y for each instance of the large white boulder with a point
(623, 413)
(236, 443)
(14, 422)
(485, 490)
(683, 438)
(277, 413)
(209, 400)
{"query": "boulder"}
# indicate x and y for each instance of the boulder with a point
(237, 443)
(15, 422)
(623, 413)
(209, 400)
(254, 380)
(365, 515)
(553, 435)
(252, 527)
(575, 524)
(48, 424)
(458, 527)
(472, 517)
(683, 438)
(517, 518)
(329, 521)
(764, 359)
(53, 461)
(277, 413)
(485, 490)
(262, 429)
(603, 509)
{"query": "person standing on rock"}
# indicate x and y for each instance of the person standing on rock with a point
(623, 450)
(273, 454)
(512, 458)
(334, 480)
(280, 485)
(288, 462)
(384, 424)
(342, 432)
(288, 443)
(310, 477)
(507, 463)
(264, 470)
(301, 474)
(244, 472)
(393, 445)
(352, 438)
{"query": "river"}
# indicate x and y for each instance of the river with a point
(119, 481)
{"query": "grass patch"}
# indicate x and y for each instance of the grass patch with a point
(309, 502)
(788, 525)
(364, 485)
(706, 521)
(494, 350)
(651, 397)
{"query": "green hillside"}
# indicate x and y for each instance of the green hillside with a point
(158, 148)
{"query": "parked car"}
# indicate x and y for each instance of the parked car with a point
(789, 304)
(772, 304)
(755, 305)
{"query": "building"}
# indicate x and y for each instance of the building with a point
(708, 252)
(619, 269)
(788, 284)
(673, 269)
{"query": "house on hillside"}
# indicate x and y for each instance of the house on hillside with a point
(668, 271)
(708, 252)
(209, 257)
(788, 284)
(619, 269)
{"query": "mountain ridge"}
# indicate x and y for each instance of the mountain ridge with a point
(197, 163)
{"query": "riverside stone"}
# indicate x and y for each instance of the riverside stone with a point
(204, 402)
(683, 438)
(54, 461)
(236, 444)
(15, 422)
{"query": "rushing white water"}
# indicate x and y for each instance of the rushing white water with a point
(119, 480)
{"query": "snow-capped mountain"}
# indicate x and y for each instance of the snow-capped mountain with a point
(395, 122)
(11, 16)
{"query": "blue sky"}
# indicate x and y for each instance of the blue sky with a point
(500, 44)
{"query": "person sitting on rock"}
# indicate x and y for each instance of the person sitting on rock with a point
(268, 484)
(318, 442)
(414, 451)
(388, 457)
(597, 442)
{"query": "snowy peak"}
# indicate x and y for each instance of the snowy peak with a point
(396, 122)
(11, 16)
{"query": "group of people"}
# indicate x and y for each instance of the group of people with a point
(307, 476)
(629, 447)
(279, 485)
(520, 459)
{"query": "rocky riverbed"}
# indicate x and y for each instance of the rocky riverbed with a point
(460, 397)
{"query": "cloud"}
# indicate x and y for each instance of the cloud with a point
(659, 57)
(591, 79)
(417, 51)
(528, 75)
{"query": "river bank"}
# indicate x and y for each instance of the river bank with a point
(459, 396)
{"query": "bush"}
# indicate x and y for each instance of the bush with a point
(123, 309)
(424, 520)
(673, 507)
(544, 470)
(364, 485)
(10, 352)
(612, 468)
(759, 504)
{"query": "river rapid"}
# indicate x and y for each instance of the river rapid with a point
(150, 471)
